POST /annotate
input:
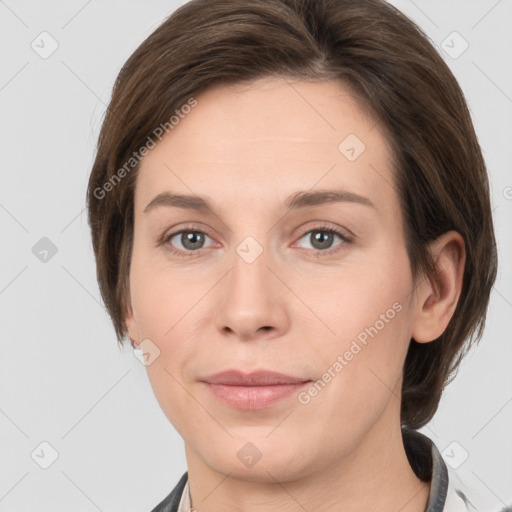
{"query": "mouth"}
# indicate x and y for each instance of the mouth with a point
(252, 391)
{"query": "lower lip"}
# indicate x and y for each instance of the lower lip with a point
(253, 397)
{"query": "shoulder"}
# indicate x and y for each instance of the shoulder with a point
(463, 498)
(171, 502)
(459, 497)
(448, 493)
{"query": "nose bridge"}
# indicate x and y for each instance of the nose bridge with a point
(249, 280)
(251, 295)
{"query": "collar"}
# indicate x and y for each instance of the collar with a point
(429, 466)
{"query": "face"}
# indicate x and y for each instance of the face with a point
(296, 264)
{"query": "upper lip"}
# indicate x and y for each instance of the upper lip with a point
(256, 378)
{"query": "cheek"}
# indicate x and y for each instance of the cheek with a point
(155, 293)
(367, 312)
(157, 311)
(368, 350)
(360, 301)
(359, 370)
(163, 301)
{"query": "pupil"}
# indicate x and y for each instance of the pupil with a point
(191, 240)
(322, 239)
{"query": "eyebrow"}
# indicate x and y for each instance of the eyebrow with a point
(298, 200)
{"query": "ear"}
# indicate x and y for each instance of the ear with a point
(131, 326)
(437, 298)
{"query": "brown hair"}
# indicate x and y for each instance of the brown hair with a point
(396, 73)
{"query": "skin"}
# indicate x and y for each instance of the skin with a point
(294, 309)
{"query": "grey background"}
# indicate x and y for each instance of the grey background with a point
(63, 379)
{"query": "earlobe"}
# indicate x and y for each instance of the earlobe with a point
(437, 298)
(131, 327)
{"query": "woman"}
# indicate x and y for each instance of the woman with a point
(290, 216)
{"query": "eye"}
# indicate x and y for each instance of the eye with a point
(322, 238)
(187, 240)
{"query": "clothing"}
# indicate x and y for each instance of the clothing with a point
(447, 493)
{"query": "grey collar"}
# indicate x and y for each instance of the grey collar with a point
(428, 465)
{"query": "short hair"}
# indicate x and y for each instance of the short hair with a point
(398, 76)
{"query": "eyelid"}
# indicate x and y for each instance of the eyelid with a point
(345, 233)
(173, 231)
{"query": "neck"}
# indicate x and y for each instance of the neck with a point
(375, 475)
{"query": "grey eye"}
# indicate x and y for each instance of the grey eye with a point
(189, 240)
(321, 239)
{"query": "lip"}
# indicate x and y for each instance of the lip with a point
(256, 378)
(252, 391)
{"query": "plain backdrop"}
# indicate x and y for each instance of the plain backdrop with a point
(69, 398)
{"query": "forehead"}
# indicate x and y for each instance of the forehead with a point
(270, 134)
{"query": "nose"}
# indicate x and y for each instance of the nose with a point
(252, 300)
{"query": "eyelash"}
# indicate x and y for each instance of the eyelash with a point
(165, 239)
